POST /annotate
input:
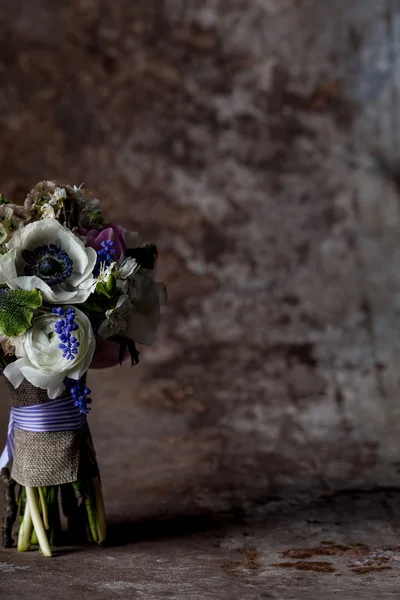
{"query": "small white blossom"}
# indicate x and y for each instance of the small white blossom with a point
(52, 209)
(133, 286)
(127, 267)
(104, 274)
(124, 272)
(48, 211)
(58, 194)
(116, 318)
(78, 189)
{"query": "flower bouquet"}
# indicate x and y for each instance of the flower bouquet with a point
(71, 289)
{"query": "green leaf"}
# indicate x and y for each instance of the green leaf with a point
(97, 218)
(95, 310)
(108, 288)
(16, 310)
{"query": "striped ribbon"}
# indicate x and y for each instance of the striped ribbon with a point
(60, 414)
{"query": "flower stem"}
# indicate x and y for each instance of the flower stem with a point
(21, 503)
(75, 514)
(44, 508)
(101, 517)
(34, 539)
(90, 504)
(32, 503)
(54, 514)
(25, 531)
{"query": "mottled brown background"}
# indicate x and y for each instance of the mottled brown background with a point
(257, 144)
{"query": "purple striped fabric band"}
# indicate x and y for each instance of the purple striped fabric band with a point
(60, 414)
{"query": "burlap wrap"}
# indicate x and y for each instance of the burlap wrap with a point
(48, 458)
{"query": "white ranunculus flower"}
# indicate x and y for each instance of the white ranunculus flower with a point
(47, 256)
(40, 360)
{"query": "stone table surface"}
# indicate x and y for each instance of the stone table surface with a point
(345, 546)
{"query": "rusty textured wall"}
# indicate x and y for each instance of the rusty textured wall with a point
(256, 143)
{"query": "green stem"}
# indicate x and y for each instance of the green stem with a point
(44, 507)
(57, 520)
(37, 521)
(34, 539)
(20, 537)
(101, 517)
(21, 502)
(25, 531)
(54, 514)
(90, 504)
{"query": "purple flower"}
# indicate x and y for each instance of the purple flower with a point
(69, 344)
(80, 394)
(113, 233)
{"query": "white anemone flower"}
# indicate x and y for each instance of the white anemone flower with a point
(47, 256)
(42, 362)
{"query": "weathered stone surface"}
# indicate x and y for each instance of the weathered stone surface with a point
(345, 548)
(257, 144)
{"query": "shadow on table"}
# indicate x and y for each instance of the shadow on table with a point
(126, 532)
(356, 505)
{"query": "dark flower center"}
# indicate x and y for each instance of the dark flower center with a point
(49, 262)
(49, 266)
